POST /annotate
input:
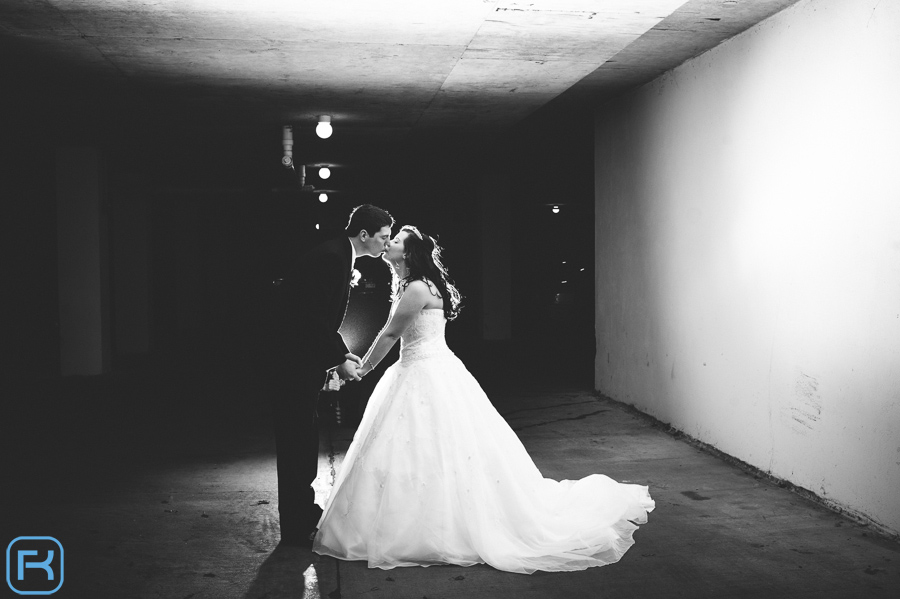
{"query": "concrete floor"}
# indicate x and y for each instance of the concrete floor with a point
(162, 487)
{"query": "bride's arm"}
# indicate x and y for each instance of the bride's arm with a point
(408, 307)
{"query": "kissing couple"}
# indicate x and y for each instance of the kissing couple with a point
(434, 474)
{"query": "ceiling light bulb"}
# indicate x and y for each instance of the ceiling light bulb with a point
(324, 172)
(317, 226)
(323, 129)
(555, 210)
(323, 197)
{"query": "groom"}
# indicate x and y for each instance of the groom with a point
(312, 299)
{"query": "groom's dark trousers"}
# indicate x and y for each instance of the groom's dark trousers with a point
(309, 303)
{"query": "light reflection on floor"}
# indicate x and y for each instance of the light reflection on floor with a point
(311, 583)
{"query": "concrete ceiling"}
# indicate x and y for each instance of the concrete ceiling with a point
(378, 67)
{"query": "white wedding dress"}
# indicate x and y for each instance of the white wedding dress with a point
(436, 476)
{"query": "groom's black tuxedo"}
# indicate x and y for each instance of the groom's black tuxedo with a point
(310, 303)
(312, 300)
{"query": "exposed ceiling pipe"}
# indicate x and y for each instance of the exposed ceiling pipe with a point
(287, 140)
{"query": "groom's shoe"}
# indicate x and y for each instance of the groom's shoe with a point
(297, 534)
(297, 540)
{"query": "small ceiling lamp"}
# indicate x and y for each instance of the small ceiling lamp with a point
(323, 129)
(317, 226)
(323, 197)
(324, 172)
(555, 207)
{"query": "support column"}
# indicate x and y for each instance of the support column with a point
(83, 260)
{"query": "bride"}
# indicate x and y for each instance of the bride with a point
(436, 476)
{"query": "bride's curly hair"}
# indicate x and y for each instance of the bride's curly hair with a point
(423, 259)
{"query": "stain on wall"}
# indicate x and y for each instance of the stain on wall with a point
(804, 411)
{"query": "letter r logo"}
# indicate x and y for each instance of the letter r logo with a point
(23, 553)
(34, 565)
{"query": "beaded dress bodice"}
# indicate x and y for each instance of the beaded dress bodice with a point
(424, 338)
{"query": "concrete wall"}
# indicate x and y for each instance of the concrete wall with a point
(29, 328)
(131, 273)
(496, 258)
(748, 250)
(83, 263)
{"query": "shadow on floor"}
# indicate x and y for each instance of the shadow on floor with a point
(160, 483)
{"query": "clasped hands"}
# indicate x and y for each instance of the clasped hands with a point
(350, 369)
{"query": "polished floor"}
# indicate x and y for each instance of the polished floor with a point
(164, 486)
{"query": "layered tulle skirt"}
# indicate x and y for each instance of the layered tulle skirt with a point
(436, 476)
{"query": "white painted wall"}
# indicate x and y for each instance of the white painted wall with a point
(748, 250)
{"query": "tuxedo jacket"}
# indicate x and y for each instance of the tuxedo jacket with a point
(311, 299)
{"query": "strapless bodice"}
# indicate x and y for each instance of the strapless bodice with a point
(424, 338)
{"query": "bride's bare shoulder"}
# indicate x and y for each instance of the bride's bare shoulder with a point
(417, 288)
(426, 292)
(426, 286)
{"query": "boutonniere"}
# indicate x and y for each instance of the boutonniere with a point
(355, 277)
